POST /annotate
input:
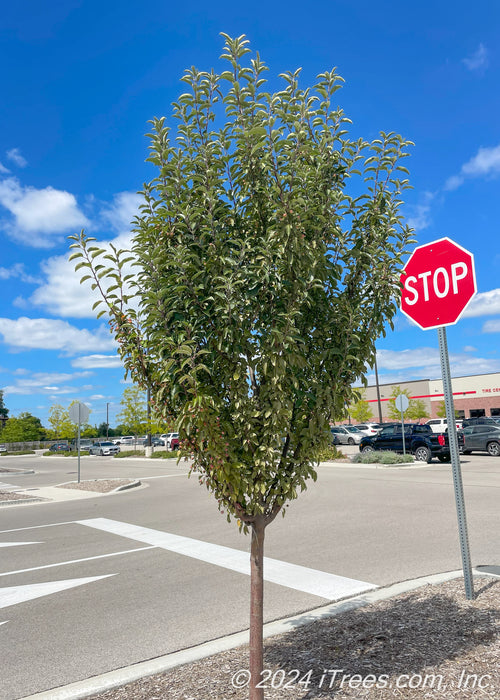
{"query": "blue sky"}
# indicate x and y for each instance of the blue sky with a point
(81, 79)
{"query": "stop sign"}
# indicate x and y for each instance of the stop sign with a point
(438, 282)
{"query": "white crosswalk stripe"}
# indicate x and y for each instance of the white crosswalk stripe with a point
(8, 487)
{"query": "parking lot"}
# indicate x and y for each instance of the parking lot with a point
(95, 584)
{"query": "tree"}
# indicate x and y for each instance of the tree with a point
(360, 411)
(61, 428)
(417, 410)
(394, 412)
(265, 271)
(441, 411)
(4, 411)
(24, 428)
(134, 415)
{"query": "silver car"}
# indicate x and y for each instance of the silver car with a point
(346, 434)
(104, 447)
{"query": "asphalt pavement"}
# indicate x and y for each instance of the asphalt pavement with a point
(81, 577)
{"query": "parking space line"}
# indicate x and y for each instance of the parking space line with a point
(37, 527)
(77, 561)
(301, 578)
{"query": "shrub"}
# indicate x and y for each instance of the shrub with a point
(330, 453)
(382, 458)
(166, 454)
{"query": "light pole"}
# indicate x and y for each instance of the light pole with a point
(378, 392)
(107, 421)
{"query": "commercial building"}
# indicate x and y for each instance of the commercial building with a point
(473, 396)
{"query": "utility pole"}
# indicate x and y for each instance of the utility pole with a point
(107, 421)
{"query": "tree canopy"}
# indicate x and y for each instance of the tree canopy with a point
(267, 257)
(23, 428)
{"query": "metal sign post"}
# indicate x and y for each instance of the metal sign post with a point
(79, 413)
(438, 282)
(455, 464)
(402, 403)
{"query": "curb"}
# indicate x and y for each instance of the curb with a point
(23, 501)
(125, 487)
(114, 679)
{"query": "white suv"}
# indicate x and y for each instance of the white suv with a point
(168, 437)
(440, 425)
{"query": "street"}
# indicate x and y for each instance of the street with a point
(96, 584)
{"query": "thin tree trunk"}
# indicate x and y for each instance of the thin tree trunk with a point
(257, 607)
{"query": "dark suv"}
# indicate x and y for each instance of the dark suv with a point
(481, 420)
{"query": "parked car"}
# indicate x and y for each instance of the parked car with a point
(440, 425)
(155, 442)
(419, 441)
(126, 440)
(369, 428)
(482, 438)
(174, 442)
(85, 444)
(60, 447)
(168, 437)
(481, 420)
(3, 448)
(104, 447)
(346, 434)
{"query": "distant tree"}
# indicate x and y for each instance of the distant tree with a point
(103, 430)
(393, 412)
(134, 414)
(441, 411)
(417, 410)
(4, 411)
(23, 428)
(61, 428)
(268, 252)
(360, 411)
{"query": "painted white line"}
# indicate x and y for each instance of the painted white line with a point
(36, 527)
(19, 594)
(16, 544)
(77, 561)
(300, 578)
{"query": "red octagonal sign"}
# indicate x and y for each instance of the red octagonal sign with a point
(438, 282)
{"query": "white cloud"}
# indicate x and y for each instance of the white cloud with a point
(485, 163)
(18, 271)
(424, 363)
(62, 294)
(478, 60)
(470, 348)
(51, 334)
(491, 327)
(97, 362)
(39, 217)
(484, 304)
(3, 169)
(121, 211)
(50, 383)
(419, 218)
(15, 156)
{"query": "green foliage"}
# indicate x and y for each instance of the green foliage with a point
(4, 411)
(360, 411)
(267, 258)
(382, 457)
(441, 411)
(165, 454)
(17, 452)
(129, 453)
(417, 410)
(24, 428)
(134, 414)
(329, 453)
(65, 453)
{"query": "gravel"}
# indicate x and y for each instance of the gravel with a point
(99, 485)
(428, 643)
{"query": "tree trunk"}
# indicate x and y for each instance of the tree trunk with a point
(257, 607)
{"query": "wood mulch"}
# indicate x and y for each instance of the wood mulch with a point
(428, 643)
